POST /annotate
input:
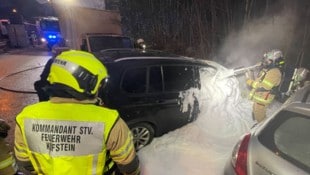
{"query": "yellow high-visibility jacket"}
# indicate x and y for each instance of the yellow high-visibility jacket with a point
(7, 162)
(262, 86)
(61, 138)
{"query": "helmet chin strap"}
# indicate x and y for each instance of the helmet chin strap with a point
(99, 101)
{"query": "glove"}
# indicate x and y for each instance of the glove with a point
(249, 82)
(4, 128)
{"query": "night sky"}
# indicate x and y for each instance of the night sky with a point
(25, 8)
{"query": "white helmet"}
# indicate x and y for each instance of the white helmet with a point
(273, 58)
(140, 41)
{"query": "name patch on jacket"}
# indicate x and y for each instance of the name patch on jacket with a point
(60, 138)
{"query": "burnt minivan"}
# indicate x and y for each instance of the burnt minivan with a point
(145, 86)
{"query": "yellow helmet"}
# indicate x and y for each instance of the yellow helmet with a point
(78, 70)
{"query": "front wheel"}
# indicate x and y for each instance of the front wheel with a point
(143, 134)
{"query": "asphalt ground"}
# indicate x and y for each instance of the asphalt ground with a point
(19, 69)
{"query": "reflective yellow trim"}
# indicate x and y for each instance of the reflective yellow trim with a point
(109, 166)
(7, 162)
(255, 84)
(267, 83)
(262, 100)
(20, 152)
(19, 148)
(251, 94)
(101, 159)
(94, 164)
(36, 164)
(119, 154)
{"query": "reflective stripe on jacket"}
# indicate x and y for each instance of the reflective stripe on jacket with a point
(64, 138)
(263, 84)
(7, 162)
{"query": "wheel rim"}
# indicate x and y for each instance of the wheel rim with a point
(141, 137)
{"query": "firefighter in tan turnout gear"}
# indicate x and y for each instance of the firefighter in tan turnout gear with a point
(264, 84)
(70, 134)
(7, 162)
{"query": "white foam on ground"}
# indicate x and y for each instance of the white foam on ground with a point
(202, 147)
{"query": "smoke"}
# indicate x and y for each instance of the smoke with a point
(93, 4)
(42, 1)
(247, 46)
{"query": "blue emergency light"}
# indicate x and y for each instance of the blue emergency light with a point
(52, 36)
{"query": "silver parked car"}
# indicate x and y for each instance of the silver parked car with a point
(278, 146)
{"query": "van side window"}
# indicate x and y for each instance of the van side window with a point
(178, 78)
(155, 80)
(134, 80)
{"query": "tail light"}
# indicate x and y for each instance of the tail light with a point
(240, 155)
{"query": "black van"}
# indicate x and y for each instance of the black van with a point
(145, 86)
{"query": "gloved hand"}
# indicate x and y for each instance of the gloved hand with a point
(249, 82)
(4, 128)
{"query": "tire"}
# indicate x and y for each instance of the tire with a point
(143, 134)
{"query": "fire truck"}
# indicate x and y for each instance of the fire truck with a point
(48, 31)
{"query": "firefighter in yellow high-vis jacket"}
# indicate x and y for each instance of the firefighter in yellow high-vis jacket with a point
(7, 161)
(70, 134)
(263, 86)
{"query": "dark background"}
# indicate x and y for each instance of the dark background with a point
(26, 8)
(232, 32)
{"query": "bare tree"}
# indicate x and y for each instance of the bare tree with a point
(198, 28)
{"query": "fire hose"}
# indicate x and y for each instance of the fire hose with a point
(15, 73)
